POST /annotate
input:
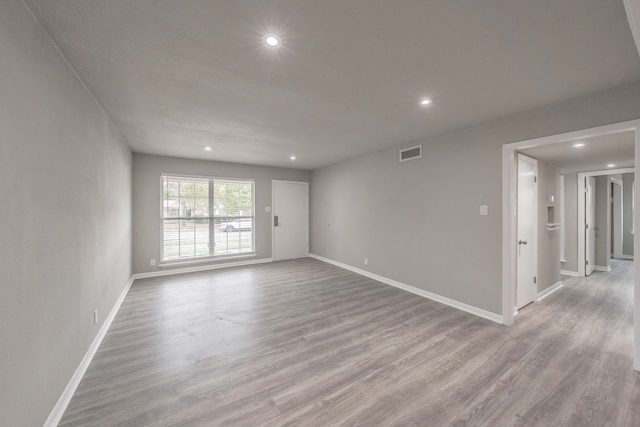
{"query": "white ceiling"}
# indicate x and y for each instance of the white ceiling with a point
(596, 154)
(176, 76)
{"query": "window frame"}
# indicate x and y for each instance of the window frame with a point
(197, 259)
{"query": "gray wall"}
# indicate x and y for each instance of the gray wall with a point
(627, 219)
(602, 221)
(146, 199)
(570, 225)
(65, 233)
(418, 222)
(548, 241)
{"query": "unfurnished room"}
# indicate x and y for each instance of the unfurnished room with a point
(319, 213)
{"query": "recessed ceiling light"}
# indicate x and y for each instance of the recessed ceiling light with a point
(579, 144)
(611, 165)
(207, 148)
(425, 101)
(292, 157)
(272, 40)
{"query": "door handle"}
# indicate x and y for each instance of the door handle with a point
(520, 243)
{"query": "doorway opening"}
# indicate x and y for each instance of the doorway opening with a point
(597, 215)
(510, 241)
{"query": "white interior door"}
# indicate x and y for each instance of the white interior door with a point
(527, 227)
(290, 211)
(590, 226)
(616, 219)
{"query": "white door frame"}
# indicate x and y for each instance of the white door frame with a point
(273, 229)
(562, 220)
(534, 240)
(509, 165)
(589, 220)
(616, 223)
(582, 217)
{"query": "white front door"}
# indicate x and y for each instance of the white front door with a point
(590, 225)
(527, 227)
(290, 215)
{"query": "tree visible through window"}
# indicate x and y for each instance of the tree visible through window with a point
(206, 217)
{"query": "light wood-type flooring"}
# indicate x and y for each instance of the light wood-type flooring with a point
(305, 343)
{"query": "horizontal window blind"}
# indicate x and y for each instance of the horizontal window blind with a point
(206, 217)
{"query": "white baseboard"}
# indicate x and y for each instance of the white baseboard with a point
(569, 273)
(58, 410)
(626, 256)
(551, 289)
(600, 268)
(426, 294)
(168, 272)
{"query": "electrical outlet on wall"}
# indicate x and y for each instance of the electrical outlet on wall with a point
(152, 262)
(366, 261)
(95, 316)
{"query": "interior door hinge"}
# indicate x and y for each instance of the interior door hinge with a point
(586, 262)
(535, 179)
(586, 226)
(535, 279)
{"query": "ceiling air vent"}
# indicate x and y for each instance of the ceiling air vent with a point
(411, 153)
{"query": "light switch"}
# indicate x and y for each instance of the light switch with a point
(484, 210)
(267, 208)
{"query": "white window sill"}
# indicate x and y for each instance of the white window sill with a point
(206, 260)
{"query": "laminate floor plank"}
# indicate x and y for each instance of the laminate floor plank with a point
(304, 343)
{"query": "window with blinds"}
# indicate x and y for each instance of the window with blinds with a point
(206, 217)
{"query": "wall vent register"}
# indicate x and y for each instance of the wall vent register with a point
(411, 153)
